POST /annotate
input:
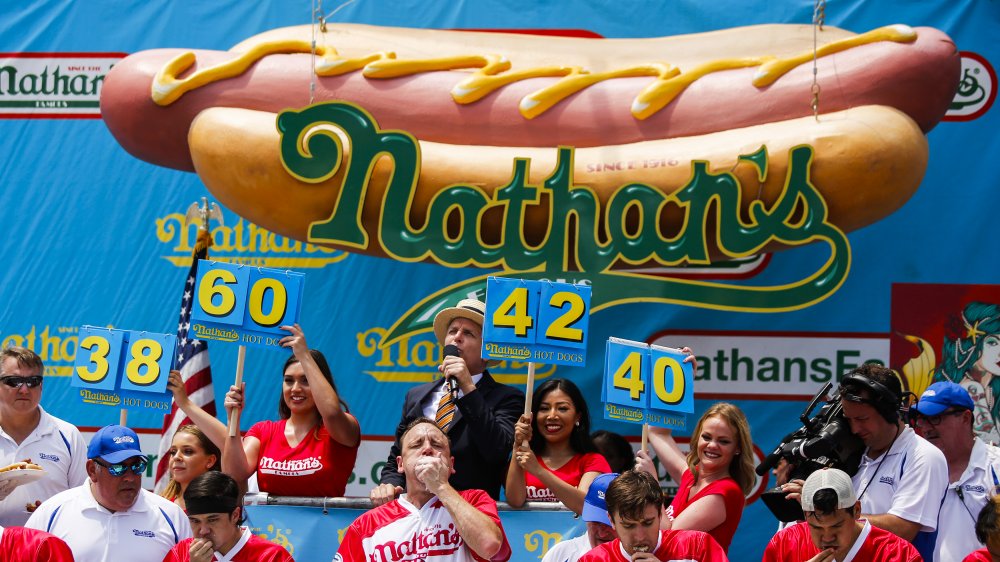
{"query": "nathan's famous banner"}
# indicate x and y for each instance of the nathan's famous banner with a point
(657, 152)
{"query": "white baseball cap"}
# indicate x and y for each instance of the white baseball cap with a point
(829, 479)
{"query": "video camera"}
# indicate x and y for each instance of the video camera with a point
(823, 441)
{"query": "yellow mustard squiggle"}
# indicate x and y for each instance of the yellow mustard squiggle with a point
(493, 72)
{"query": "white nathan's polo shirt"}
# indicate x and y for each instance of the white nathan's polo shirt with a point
(144, 533)
(59, 449)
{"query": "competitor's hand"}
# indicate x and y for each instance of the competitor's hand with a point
(455, 367)
(644, 463)
(234, 398)
(384, 493)
(201, 550)
(433, 471)
(823, 556)
(175, 384)
(641, 554)
(296, 340)
(522, 430)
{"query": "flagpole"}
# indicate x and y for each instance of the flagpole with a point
(123, 418)
(234, 416)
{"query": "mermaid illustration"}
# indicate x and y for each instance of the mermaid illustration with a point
(972, 359)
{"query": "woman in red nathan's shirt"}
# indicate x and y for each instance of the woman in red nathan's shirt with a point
(311, 450)
(554, 458)
(713, 478)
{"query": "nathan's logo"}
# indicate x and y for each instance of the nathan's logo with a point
(582, 232)
(508, 351)
(211, 333)
(56, 345)
(245, 243)
(624, 414)
(976, 91)
(63, 85)
(416, 359)
(100, 398)
(541, 541)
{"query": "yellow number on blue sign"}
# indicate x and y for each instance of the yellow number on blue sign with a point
(560, 328)
(144, 353)
(99, 348)
(513, 313)
(663, 367)
(629, 376)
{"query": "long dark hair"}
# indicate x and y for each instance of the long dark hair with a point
(579, 439)
(283, 411)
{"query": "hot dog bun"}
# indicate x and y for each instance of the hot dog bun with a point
(606, 112)
(868, 161)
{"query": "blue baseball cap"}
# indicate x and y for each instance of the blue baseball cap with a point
(943, 395)
(595, 509)
(114, 444)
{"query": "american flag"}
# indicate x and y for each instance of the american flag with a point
(192, 362)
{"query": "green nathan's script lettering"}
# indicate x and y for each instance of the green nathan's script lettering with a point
(575, 236)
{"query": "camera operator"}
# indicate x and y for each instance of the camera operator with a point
(902, 478)
(944, 416)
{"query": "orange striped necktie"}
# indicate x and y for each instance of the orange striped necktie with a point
(445, 412)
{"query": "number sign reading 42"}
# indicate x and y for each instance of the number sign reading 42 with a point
(247, 305)
(122, 368)
(537, 321)
(646, 384)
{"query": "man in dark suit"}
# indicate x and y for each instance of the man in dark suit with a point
(478, 416)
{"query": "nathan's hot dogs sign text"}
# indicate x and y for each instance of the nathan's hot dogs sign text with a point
(536, 322)
(124, 368)
(488, 156)
(246, 305)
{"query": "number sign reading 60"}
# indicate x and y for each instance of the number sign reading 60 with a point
(126, 369)
(536, 321)
(646, 384)
(248, 305)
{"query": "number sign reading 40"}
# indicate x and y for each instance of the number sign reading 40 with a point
(646, 384)
(536, 321)
(246, 305)
(125, 369)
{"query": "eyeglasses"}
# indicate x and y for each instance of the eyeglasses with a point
(17, 382)
(119, 469)
(936, 420)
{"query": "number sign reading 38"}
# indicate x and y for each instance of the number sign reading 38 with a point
(125, 369)
(247, 305)
(647, 384)
(537, 321)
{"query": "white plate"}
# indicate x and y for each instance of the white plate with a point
(21, 476)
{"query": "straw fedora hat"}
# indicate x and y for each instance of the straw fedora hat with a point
(470, 309)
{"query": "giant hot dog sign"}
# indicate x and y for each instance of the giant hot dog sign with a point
(541, 155)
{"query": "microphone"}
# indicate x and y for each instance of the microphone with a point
(451, 351)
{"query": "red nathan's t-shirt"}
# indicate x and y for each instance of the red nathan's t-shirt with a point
(254, 550)
(981, 555)
(680, 546)
(571, 472)
(731, 494)
(19, 543)
(318, 466)
(878, 545)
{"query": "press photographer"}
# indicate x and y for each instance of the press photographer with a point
(901, 479)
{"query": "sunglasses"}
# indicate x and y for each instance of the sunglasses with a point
(119, 469)
(18, 382)
(936, 420)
